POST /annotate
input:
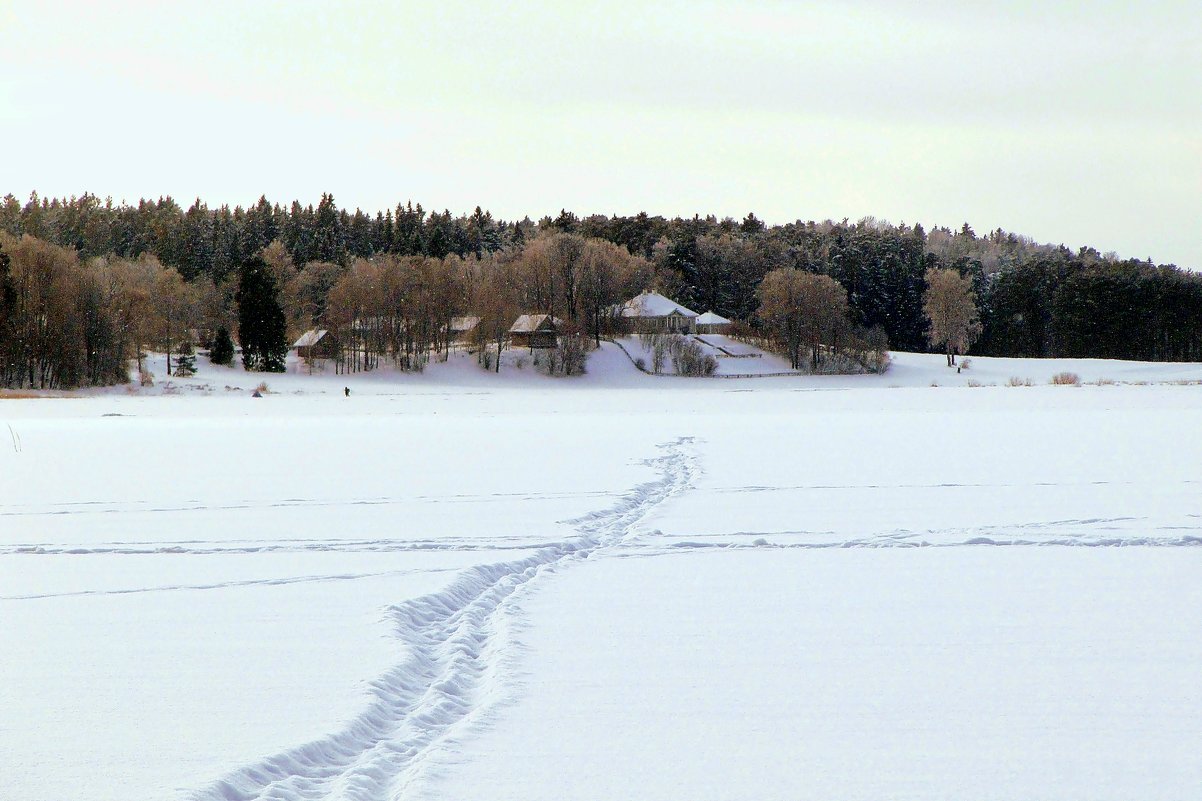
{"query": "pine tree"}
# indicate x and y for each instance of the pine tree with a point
(222, 351)
(329, 232)
(261, 324)
(185, 362)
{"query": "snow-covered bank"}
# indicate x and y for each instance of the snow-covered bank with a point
(611, 367)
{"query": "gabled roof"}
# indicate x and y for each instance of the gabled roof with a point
(528, 323)
(653, 304)
(310, 338)
(709, 318)
(464, 323)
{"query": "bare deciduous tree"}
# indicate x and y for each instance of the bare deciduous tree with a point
(950, 308)
(803, 309)
(495, 300)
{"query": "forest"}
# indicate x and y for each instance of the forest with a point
(85, 283)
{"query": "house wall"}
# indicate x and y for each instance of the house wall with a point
(534, 339)
(656, 325)
(326, 348)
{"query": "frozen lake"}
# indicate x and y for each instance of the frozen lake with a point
(521, 588)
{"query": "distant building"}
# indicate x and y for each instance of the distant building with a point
(535, 331)
(461, 328)
(316, 343)
(652, 313)
(711, 323)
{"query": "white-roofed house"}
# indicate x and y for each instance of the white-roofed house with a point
(535, 331)
(712, 323)
(652, 313)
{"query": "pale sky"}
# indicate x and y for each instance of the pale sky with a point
(1074, 122)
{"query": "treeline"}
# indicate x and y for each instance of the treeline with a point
(67, 322)
(1033, 299)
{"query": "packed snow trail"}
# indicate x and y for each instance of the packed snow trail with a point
(455, 653)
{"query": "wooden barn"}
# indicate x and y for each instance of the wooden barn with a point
(316, 343)
(535, 331)
(652, 313)
(461, 328)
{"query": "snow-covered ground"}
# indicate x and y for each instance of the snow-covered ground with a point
(479, 586)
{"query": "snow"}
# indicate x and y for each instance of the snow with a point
(854, 674)
(310, 338)
(464, 324)
(463, 584)
(653, 304)
(529, 323)
(712, 318)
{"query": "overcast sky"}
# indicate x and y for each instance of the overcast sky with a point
(1074, 122)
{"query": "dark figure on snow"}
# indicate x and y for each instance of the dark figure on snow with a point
(346, 391)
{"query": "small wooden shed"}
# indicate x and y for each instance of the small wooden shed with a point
(316, 343)
(535, 331)
(461, 328)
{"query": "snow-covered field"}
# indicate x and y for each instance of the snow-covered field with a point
(475, 586)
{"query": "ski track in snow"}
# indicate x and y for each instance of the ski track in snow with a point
(195, 548)
(1096, 542)
(223, 585)
(449, 678)
(1083, 532)
(196, 505)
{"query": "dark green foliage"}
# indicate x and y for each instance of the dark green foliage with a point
(9, 346)
(222, 351)
(1034, 300)
(261, 324)
(185, 362)
(329, 232)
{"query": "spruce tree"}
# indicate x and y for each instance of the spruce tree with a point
(261, 325)
(185, 362)
(222, 351)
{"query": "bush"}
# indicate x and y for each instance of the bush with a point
(146, 379)
(966, 364)
(1015, 381)
(1066, 379)
(568, 357)
(659, 345)
(877, 361)
(689, 359)
(641, 363)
